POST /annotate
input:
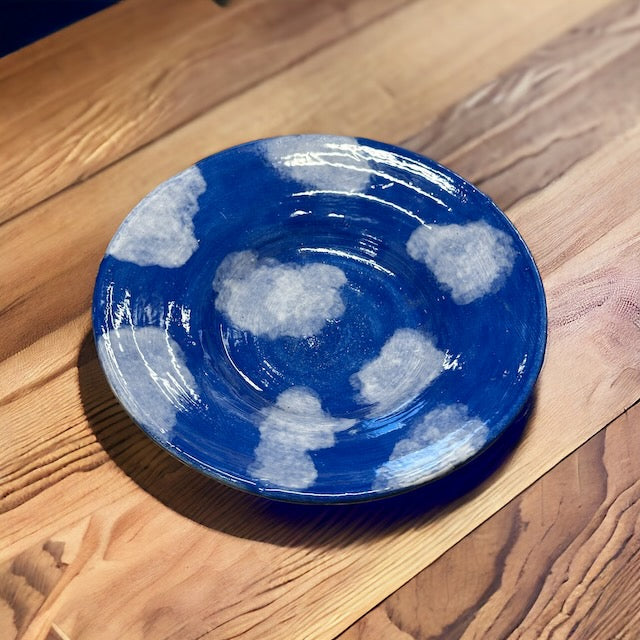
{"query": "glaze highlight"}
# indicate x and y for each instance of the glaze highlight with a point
(149, 375)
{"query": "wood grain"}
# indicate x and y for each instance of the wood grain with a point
(516, 134)
(144, 547)
(559, 561)
(617, 21)
(161, 63)
(260, 559)
(26, 582)
(460, 56)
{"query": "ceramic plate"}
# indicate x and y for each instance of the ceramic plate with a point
(320, 319)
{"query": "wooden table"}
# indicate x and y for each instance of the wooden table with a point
(103, 535)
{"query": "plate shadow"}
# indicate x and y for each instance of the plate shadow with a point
(216, 506)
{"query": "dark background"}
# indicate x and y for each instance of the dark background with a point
(23, 21)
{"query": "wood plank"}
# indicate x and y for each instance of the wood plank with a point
(555, 241)
(516, 134)
(561, 560)
(77, 464)
(245, 561)
(459, 57)
(85, 97)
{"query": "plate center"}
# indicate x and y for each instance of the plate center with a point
(312, 318)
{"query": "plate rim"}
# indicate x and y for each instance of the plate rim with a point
(245, 484)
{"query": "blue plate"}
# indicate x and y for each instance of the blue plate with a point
(320, 319)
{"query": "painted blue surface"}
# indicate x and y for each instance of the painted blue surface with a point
(320, 319)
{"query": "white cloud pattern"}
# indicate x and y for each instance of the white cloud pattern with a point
(266, 297)
(444, 438)
(469, 260)
(320, 162)
(295, 425)
(149, 374)
(407, 364)
(160, 231)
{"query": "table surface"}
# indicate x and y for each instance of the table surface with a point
(104, 535)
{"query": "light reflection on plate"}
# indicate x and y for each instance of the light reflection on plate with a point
(320, 319)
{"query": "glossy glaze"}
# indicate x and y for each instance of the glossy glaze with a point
(321, 319)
